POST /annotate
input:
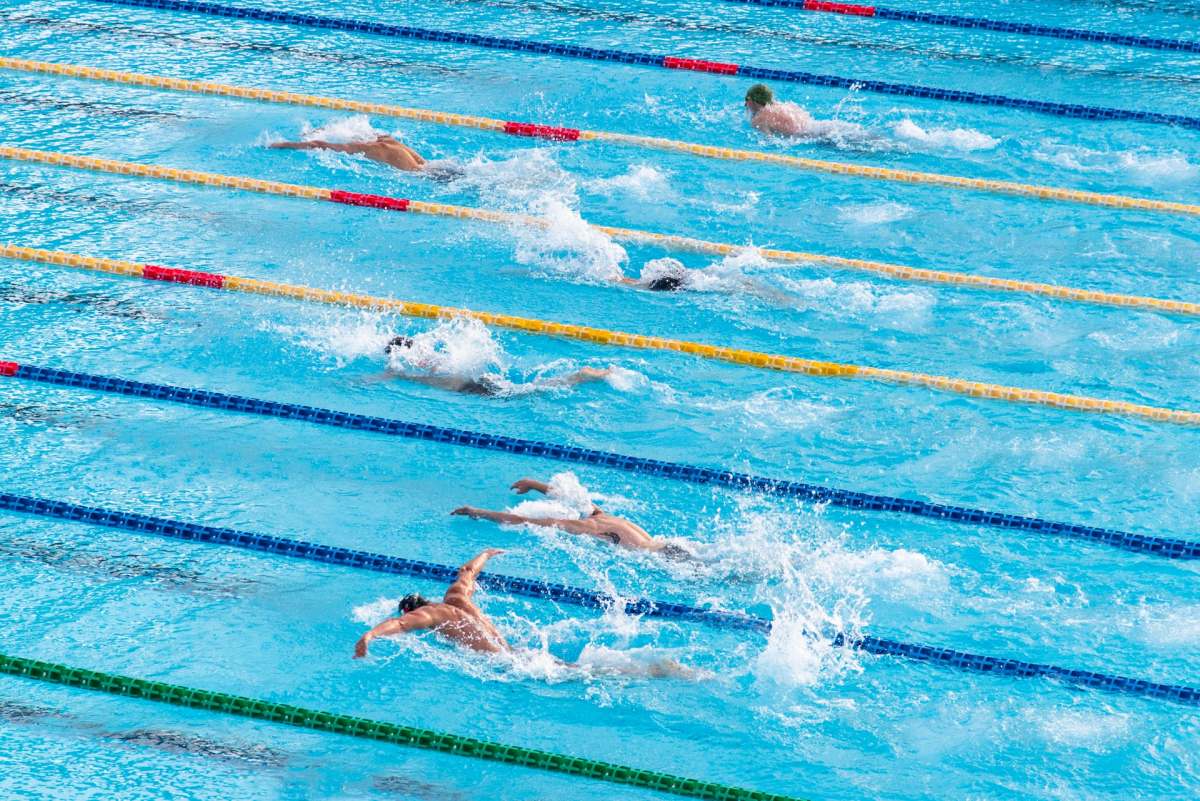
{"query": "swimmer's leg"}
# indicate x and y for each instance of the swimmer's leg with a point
(586, 375)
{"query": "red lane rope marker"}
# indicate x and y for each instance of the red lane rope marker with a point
(9, 368)
(173, 275)
(700, 65)
(839, 8)
(551, 132)
(371, 201)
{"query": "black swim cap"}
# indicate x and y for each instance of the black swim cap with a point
(398, 342)
(412, 601)
(666, 283)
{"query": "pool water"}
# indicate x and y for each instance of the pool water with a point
(789, 714)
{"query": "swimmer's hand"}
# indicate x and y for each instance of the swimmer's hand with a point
(467, 511)
(526, 484)
(360, 647)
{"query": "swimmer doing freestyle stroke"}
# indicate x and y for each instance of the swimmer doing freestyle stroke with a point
(598, 523)
(385, 149)
(485, 385)
(459, 620)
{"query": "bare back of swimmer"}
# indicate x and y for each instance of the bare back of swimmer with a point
(384, 149)
(456, 618)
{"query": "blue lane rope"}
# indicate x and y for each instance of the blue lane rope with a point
(815, 493)
(984, 24)
(364, 560)
(1071, 110)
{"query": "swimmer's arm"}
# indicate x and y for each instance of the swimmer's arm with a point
(318, 144)
(464, 586)
(413, 621)
(526, 484)
(508, 518)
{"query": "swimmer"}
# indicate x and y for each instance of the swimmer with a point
(599, 524)
(666, 275)
(459, 620)
(386, 150)
(788, 119)
(485, 385)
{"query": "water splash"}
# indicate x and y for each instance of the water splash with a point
(960, 139)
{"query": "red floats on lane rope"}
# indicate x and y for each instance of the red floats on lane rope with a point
(9, 368)
(193, 277)
(839, 8)
(542, 131)
(374, 201)
(699, 65)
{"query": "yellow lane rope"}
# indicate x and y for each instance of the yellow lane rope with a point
(602, 336)
(668, 241)
(656, 143)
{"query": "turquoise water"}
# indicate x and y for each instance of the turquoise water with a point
(790, 715)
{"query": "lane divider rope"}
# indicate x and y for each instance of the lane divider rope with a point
(984, 24)
(1072, 110)
(812, 493)
(375, 562)
(367, 729)
(601, 336)
(896, 272)
(960, 660)
(564, 134)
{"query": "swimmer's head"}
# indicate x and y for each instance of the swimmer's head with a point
(410, 602)
(664, 275)
(666, 283)
(397, 342)
(759, 96)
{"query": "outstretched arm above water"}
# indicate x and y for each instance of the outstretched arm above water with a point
(524, 485)
(508, 518)
(415, 620)
(320, 144)
(463, 588)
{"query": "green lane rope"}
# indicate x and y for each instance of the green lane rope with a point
(365, 728)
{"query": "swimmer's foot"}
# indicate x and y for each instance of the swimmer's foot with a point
(672, 669)
(589, 374)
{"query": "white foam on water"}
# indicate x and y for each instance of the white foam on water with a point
(520, 182)
(1150, 336)
(903, 308)
(344, 130)
(960, 139)
(1141, 165)
(343, 336)
(566, 244)
(1095, 731)
(772, 410)
(565, 498)
(1169, 627)
(879, 213)
(640, 181)
(462, 346)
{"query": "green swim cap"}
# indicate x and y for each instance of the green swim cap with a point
(760, 94)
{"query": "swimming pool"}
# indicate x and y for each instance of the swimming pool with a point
(790, 713)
